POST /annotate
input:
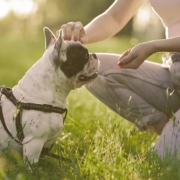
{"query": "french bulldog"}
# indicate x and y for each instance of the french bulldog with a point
(175, 70)
(64, 66)
(172, 62)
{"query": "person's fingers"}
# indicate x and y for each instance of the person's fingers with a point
(125, 54)
(133, 64)
(63, 27)
(68, 30)
(126, 60)
(120, 62)
(78, 28)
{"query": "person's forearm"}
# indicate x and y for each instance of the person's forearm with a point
(101, 28)
(166, 45)
(112, 20)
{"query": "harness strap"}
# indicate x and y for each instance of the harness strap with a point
(19, 126)
(4, 124)
(47, 152)
(18, 118)
(31, 106)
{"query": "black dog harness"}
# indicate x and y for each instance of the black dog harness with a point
(18, 118)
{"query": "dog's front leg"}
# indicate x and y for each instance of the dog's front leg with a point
(32, 151)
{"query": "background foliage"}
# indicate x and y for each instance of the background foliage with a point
(54, 13)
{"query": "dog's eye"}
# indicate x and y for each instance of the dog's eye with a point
(86, 55)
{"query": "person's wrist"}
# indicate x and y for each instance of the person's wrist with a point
(158, 46)
(152, 47)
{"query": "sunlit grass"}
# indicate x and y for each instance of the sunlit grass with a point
(100, 144)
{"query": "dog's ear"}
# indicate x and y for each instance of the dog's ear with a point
(50, 38)
(59, 52)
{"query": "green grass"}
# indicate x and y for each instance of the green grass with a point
(100, 144)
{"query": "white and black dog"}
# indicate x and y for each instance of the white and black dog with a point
(172, 62)
(31, 116)
(175, 70)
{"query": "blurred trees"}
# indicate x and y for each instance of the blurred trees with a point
(54, 13)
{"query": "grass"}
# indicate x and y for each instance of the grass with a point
(100, 144)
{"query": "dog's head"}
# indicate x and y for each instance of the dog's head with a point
(72, 59)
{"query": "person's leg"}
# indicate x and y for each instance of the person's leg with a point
(144, 96)
(168, 142)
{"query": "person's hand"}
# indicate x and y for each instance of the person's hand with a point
(74, 31)
(134, 57)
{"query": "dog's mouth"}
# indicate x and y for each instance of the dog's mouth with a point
(87, 78)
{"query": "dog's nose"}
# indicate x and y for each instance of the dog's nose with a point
(94, 56)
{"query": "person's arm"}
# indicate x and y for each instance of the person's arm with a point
(112, 20)
(105, 25)
(135, 57)
(166, 45)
